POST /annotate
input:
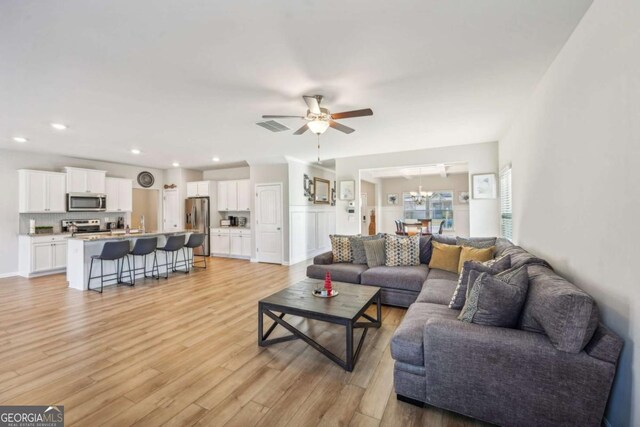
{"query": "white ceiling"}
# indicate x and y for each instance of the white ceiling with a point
(187, 80)
(410, 172)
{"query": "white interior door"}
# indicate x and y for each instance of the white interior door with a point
(269, 223)
(171, 210)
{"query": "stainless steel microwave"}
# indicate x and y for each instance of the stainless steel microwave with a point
(86, 202)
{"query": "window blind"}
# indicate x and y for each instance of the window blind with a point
(506, 213)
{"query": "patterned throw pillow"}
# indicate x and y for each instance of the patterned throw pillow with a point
(493, 266)
(496, 300)
(357, 247)
(402, 250)
(476, 242)
(341, 248)
(376, 255)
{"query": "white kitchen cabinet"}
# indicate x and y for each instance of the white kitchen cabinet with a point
(244, 195)
(41, 192)
(42, 254)
(231, 242)
(246, 245)
(235, 244)
(85, 180)
(119, 193)
(198, 189)
(234, 196)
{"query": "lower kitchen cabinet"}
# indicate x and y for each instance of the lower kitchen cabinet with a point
(40, 255)
(230, 242)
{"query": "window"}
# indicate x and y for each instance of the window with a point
(506, 213)
(439, 208)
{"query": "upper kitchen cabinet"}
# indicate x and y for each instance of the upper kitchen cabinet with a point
(85, 180)
(119, 193)
(41, 192)
(198, 189)
(244, 195)
(234, 196)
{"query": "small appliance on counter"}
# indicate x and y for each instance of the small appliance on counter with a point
(242, 221)
(225, 223)
(111, 225)
(120, 224)
(79, 226)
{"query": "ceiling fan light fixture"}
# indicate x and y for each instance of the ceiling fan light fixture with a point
(318, 126)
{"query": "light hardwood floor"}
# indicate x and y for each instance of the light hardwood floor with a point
(184, 351)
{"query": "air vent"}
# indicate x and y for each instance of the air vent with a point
(273, 126)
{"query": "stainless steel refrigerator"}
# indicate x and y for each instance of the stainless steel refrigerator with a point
(197, 210)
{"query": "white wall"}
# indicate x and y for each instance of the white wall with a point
(309, 224)
(227, 174)
(575, 153)
(481, 158)
(457, 182)
(11, 161)
(180, 177)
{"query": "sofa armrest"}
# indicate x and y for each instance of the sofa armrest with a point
(485, 372)
(324, 259)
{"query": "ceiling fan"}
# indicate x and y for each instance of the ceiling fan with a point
(319, 119)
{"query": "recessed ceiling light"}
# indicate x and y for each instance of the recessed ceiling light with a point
(216, 159)
(58, 126)
(135, 151)
(175, 164)
(20, 139)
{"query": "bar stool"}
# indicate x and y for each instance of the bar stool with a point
(196, 240)
(144, 247)
(173, 245)
(111, 251)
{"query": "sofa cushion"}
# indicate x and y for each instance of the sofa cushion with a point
(496, 300)
(557, 308)
(407, 341)
(520, 257)
(340, 272)
(476, 242)
(358, 255)
(436, 273)
(445, 257)
(408, 278)
(402, 250)
(374, 252)
(341, 248)
(437, 291)
(501, 245)
(444, 238)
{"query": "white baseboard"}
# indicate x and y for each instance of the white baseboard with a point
(253, 260)
(285, 263)
(5, 275)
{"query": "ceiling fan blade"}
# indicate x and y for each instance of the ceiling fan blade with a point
(271, 116)
(354, 113)
(341, 128)
(313, 103)
(302, 130)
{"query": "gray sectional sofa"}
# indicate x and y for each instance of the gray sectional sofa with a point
(556, 369)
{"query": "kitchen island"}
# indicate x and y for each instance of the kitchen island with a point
(81, 247)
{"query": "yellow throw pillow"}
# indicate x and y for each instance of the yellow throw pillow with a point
(475, 254)
(445, 257)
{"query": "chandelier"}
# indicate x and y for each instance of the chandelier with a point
(420, 197)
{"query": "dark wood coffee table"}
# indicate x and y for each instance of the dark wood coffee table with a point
(347, 308)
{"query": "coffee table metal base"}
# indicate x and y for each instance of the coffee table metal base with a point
(351, 356)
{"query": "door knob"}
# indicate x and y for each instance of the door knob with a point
(278, 228)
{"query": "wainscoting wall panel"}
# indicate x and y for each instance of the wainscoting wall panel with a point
(310, 227)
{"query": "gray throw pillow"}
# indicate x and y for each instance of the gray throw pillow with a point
(476, 242)
(496, 300)
(426, 249)
(493, 266)
(375, 252)
(358, 255)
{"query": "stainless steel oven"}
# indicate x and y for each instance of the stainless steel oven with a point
(86, 202)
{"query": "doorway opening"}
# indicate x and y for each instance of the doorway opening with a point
(145, 205)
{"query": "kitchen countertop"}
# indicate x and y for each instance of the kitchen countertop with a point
(122, 236)
(45, 234)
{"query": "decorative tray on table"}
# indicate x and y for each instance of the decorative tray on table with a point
(321, 293)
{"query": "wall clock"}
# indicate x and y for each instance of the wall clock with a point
(146, 179)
